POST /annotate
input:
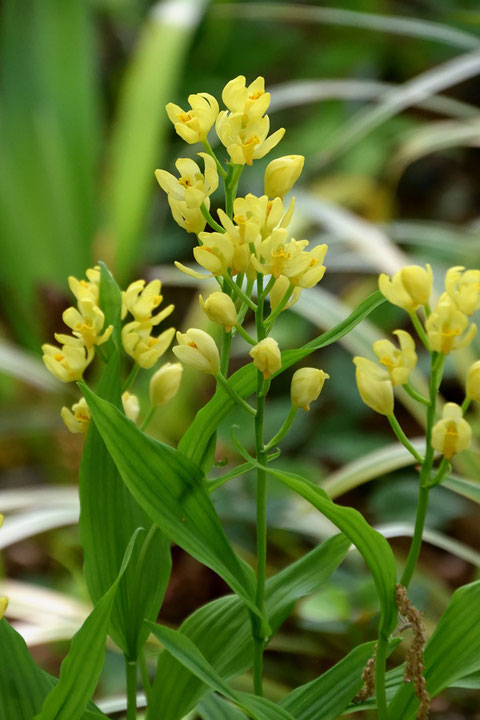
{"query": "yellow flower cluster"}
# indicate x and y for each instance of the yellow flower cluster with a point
(447, 325)
(254, 238)
(86, 321)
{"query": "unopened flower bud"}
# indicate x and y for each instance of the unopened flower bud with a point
(3, 606)
(165, 382)
(452, 433)
(197, 349)
(282, 174)
(266, 357)
(220, 308)
(472, 388)
(307, 384)
(374, 386)
(131, 405)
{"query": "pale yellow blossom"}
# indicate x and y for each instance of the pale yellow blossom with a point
(448, 327)
(193, 125)
(464, 288)
(267, 357)
(198, 349)
(374, 385)
(409, 288)
(307, 384)
(398, 362)
(452, 433)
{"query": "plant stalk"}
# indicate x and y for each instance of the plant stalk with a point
(131, 676)
(380, 667)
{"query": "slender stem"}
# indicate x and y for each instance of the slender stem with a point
(443, 469)
(416, 544)
(403, 438)
(235, 472)
(259, 637)
(131, 675)
(142, 662)
(466, 404)
(380, 666)
(238, 291)
(209, 150)
(101, 353)
(213, 223)
(283, 430)
(244, 307)
(416, 395)
(234, 395)
(148, 417)
(281, 305)
(245, 335)
(231, 184)
(420, 330)
(131, 378)
(269, 286)
(225, 351)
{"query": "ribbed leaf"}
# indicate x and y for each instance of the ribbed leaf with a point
(108, 516)
(373, 547)
(221, 630)
(196, 441)
(81, 668)
(186, 652)
(328, 696)
(23, 685)
(451, 653)
(111, 305)
(215, 707)
(172, 491)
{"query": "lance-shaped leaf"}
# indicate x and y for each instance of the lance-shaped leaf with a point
(23, 685)
(221, 630)
(196, 441)
(81, 668)
(109, 515)
(215, 707)
(373, 547)
(450, 654)
(172, 491)
(189, 655)
(328, 696)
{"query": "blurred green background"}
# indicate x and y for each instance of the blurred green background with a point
(382, 98)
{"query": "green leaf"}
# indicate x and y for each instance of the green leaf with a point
(215, 707)
(462, 486)
(195, 442)
(328, 696)
(221, 630)
(373, 547)
(23, 685)
(81, 668)
(451, 653)
(172, 490)
(186, 652)
(111, 305)
(109, 515)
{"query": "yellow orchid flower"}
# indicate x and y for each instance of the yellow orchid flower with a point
(144, 348)
(464, 288)
(452, 433)
(197, 349)
(220, 308)
(374, 386)
(194, 125)
(409, 288)
(87, 322)
(69, 362)
(448, 327)
(246, 141)
(398, 362)
(89, 288)
(77, 419)
(165, 383)
(472, 387)
(307, 384)
(266, 357)
(282, 174)
(141, 300)
(251, 101)
(215, 253)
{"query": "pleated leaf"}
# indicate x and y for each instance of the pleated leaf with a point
(81, 668)
(109, 515)
(222, 631)
(215, 707)
(328, 696)
(186, 652)
(196, 441)
(373, 547)
(451, 653)
(23, 685)
(172, 491)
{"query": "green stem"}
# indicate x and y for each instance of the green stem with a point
(234, 395)
(466, 404)
(269, 286)
(275, 313)
(258, 630)
(209, 150)
(420, 330)
(244, 307)
(416, 395)
(231, 184)
(236, 472)
(245, 335)
(416, 544)
(225, 351)
(403, 438)
(142, 662)
(131, 676)
(148, 417)
(239, 292)
(283, 430)
(443, 469)
(380, 667)
(213, 223)
(101, 353)
(131, 378)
